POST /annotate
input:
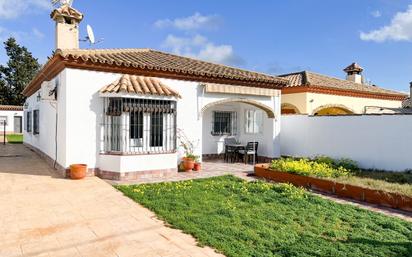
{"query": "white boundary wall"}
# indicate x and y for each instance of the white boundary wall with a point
(374, 141)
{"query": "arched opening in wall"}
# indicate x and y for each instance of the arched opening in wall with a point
(234, 129)
(288, 109)
(332, 110)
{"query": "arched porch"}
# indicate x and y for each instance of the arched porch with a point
(245, 120)
(288, 109)
(332, 110)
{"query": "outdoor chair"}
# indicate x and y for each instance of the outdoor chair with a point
(230, 152)
(249, 151)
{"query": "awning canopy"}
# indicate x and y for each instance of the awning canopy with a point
(139, 85)
(240, 90)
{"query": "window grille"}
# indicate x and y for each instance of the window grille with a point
(224, 123)
(139, 126)
(36, 119)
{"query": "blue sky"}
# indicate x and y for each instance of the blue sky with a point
(275, 37)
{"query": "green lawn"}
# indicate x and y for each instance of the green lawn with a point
(14, 139)
(261, 219)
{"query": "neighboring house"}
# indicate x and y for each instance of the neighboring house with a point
(121, 111)
(12, 117)
(405, 109)
(316, 94)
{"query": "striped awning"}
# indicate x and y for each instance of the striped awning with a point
(139, 85)
(239, 90)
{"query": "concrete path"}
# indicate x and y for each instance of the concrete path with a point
(44, 215)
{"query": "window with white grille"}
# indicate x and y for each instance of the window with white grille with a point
(139, 126)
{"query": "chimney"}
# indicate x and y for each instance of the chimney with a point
(67, 26)
(354, 73)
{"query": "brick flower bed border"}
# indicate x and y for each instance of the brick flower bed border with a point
(358, 193)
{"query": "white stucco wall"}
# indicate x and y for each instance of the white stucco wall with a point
(9, 115)
(133, 163)
(374, 141)
(308, 102)
(80, 110)
(46, 140)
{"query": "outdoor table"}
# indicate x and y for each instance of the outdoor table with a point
(236, 147)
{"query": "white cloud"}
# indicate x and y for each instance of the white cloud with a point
(399, 29)
(200, 47)
(376, 14)
(194, 22)
(11, 9)
(37, 33)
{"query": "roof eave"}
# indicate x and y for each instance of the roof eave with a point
(57, 63)
(343, 92)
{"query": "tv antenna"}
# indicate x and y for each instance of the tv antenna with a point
(62, 2)
(90, 36)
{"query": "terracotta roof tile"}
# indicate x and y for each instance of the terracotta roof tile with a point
(161, 61)
(139, 85)
(354, 67)
(151, 63)
(66, 11)
(11, 108)
(307, 78)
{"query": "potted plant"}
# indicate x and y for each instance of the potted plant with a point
(188, 161)
(198, 165)
(78, 171)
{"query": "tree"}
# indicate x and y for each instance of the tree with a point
(19, 71)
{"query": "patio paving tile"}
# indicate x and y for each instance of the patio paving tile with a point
(44, 215)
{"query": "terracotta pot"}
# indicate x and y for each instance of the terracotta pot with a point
(198, 166)
(188, 164)
(78, 171)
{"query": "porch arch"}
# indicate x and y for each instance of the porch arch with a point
(333, 109)
(287, 108)
(270, 113)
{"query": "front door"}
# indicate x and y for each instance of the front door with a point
(17, 124)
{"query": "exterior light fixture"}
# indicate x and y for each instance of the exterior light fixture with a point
(26, 105)
(38, 97)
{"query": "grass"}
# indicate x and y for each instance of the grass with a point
(347, 171)
(396, 182)
(14, 139)
(241, 219)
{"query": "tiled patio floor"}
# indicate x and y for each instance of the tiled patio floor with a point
(44, 215)
(210, 168)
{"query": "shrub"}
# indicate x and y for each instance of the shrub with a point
(324, 167)
(344, 162)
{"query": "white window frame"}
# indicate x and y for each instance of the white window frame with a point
(253, 121)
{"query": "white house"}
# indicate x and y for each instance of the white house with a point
(11, 119)
(119, 110)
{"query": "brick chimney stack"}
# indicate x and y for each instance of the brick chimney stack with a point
(67, 26)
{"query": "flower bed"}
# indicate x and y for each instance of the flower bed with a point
(320, 182)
